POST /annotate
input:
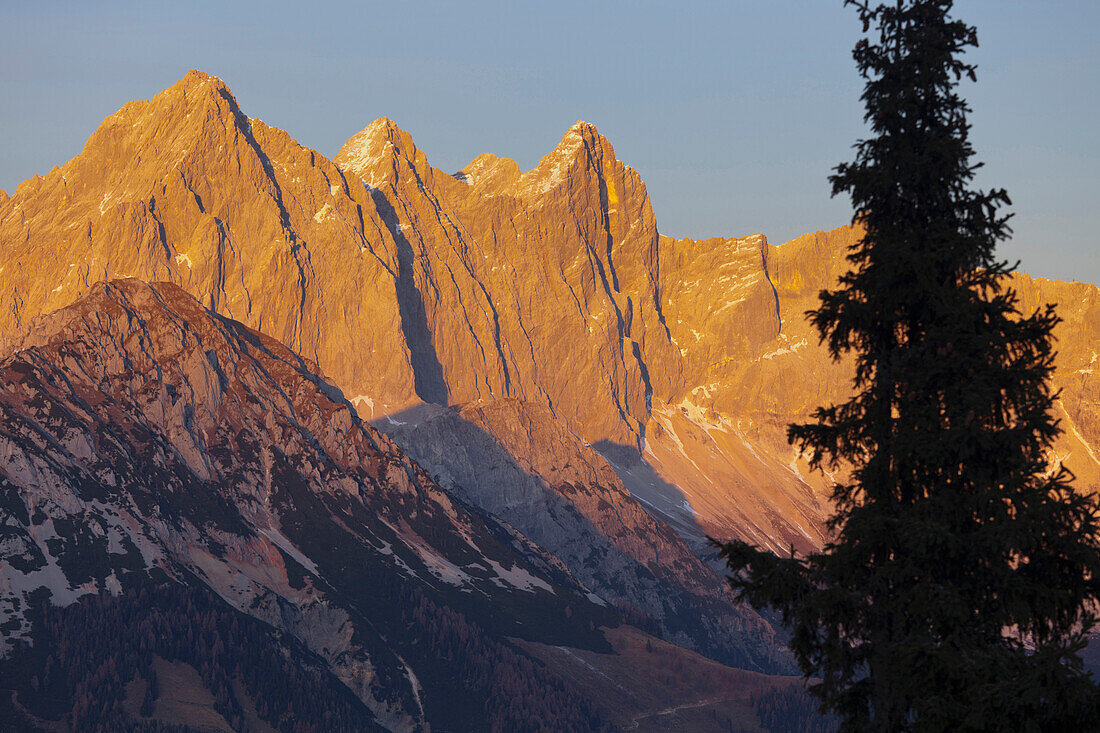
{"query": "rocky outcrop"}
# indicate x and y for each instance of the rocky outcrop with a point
(541, 286)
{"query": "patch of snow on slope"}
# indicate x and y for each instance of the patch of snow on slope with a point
(516, 577)
(788, 349)
(439, 566)
(280, 540)
(50, 576)
(1088, 369)
(363, 399)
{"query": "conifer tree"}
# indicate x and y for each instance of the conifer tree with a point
(962, 575)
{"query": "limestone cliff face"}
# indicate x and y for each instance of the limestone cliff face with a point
(1078, 345)
(812, 262)
(753, 364)
(184, 188)
(530, 285)
(681, 361)
(404, 283)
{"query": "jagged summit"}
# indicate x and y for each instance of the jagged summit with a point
(197, 77)
(378, 153)
(196, 81)
(489, 174)
(195, 93)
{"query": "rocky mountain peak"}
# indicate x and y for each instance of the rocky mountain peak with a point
(581, 147)
(380, 153)
(143, 436)
(195, 102)
(489, 174)
(140, 322)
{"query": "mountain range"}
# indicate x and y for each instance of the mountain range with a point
(394, 422)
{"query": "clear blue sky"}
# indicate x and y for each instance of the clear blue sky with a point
(733, 112)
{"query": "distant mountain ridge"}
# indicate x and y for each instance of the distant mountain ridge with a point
(682, 361)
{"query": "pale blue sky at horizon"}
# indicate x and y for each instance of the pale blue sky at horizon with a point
(734, 113)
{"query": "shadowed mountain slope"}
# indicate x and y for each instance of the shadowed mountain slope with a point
(143, 437)
(194, 493)
(513, 459)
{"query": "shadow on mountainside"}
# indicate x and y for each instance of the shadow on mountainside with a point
(665, 501)
(429, 382)
(661, 498)
(629, 555)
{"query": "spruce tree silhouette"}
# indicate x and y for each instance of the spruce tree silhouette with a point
(962, 576)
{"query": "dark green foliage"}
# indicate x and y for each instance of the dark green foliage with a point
(85, 653)
(483, 684)
(959, 586)
(152, 692)
(790, 710)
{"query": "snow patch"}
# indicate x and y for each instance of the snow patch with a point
(441, 567)
(280, 540)
(50, 576)
(112, 584)
(364, 400)
(1088, 448)
(789, 349)
(1085, 370)
(323, 214)
(182, 259)
(516, 577)
(728, 304)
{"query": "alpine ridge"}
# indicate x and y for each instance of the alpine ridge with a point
(680, 361)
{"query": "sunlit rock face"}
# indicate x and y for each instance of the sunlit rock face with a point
(541, 286)
(184, 188)
(681, 361)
